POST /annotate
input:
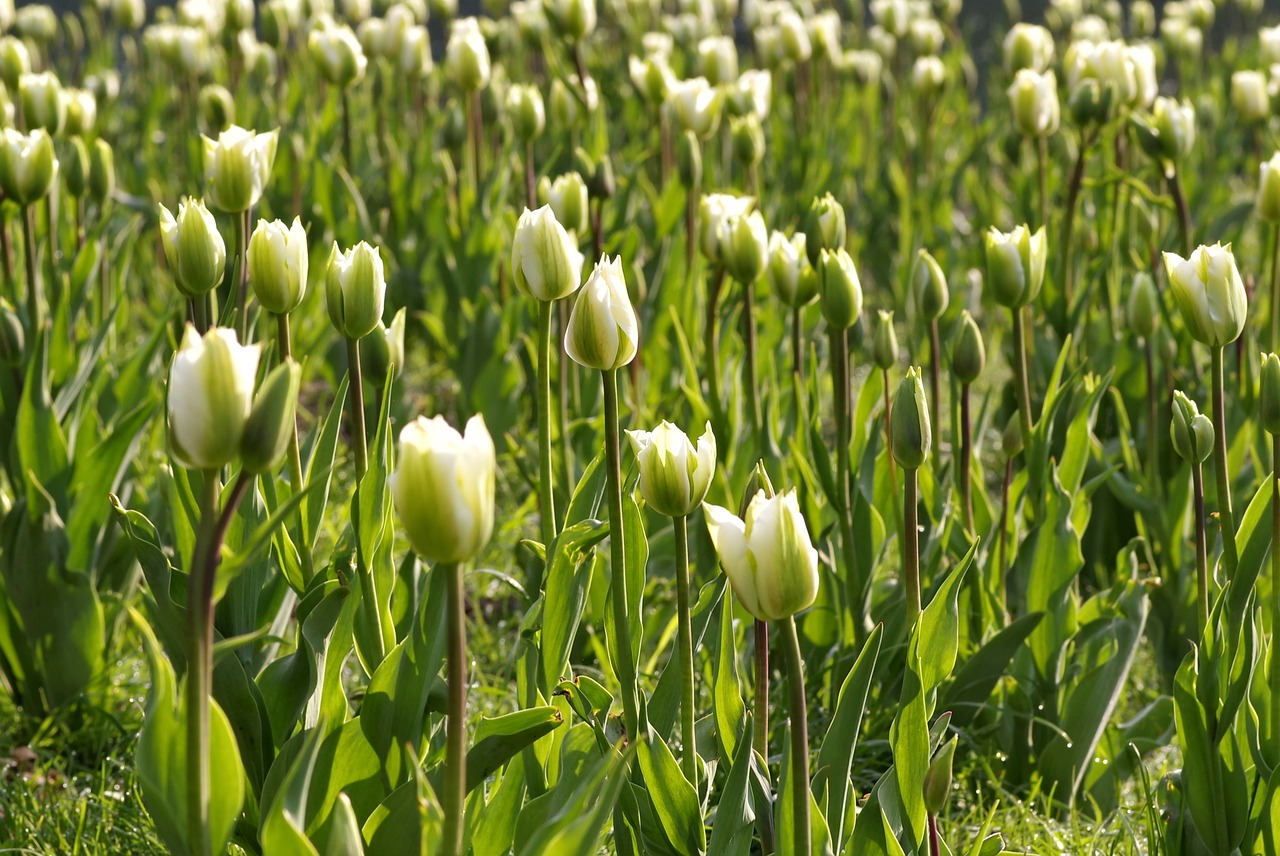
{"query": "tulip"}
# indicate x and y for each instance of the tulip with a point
(652, 77)
(1209, 293)
(674, 475)
(1144, 306)
(42, 101)
(77, 170)
(236, 167)
(793, 37)
(840, 288)
(926, 36)
(210, 397)
(129, 14)
(743, 246)
(1269, 394)
(415, 59)
(102, 170)
(278, 262)
(528, 116)
(1015, 264)
(748, 140)
(694, 105)
(545, 260)
(824, 227)
(82, 112)
(718, 59)
(603, 332)
(194, 248)
(1269, 190)
(912, 436)
(270, 426)
(15, 61)
(355, 289)
(752, 93)
(574, 20)
(884, 341)
(1269, 40)
(929, 284)
(338, 54)
(467, 56)
(217, 108)
(788, 270)
(572, 102)
(1034, 99)
(928, 76)
(1249, 97)
(383, 349)
(937, 779)
(713, 211)
(1027, 46)
(567, 196)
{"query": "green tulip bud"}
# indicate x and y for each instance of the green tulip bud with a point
(748, 139)
(1090, 102)
(823, 227)
(1033, 98)
(82, 112)
(968, 353)
(443, 488)
(767, 555)
(793, 279)
(42, 102)
(217, 108)
(714, 209)
(572, 20)
(1191, 430)
(930, 286)
(1269, 394)
(603, 185)
(467, 56)
(1027, 46)
(689, 160)
(694, 105)
(528, 116)
(567, 196)
(1209, 292)
(937, 780)
(545, 260)
(278, 262)
(210, 397)
(194, 248)
(911, 434)
(1249, 97)
(102, 171)
(239, 15)
(275, 23)
(445, 10)
(37, 22)
(27, 165)
(393, 339)
(1011, 440)
(840, 288)
(77, 169)
(269, 428)
(12, 338)
(603, 332)
(674, 476)
(338, 54)
(757, 482)
(236, 167)
(884, 341)
(355, 289)
(1142, 18)
(793, 35)
(1269, 190)
(15, 61)
(1144, 306)
(744, 246)
(1015, 264)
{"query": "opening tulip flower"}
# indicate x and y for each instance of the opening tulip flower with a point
(210, 397)
(769, 558)
(544, 256)
(27, 165)
(193, 247)
(603, 332)
(674, 476)
(278, 263)
(355, 290)
(1015, 264)
(236, 167)
(1210, 293)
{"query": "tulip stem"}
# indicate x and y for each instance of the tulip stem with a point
(911, 544)
(799, 736)
(1275, 587)
(359, 442)
(843, 395)
(368, 590)
(242, 273)
(35, 300)
(752, 380)
(1202, 561)
(1002, 556)
(345, 101)
(1275, 289)
(285, 344)
(888, 438)
(199, 672)
(1226, 517)
(51, 238)
(760, 717)
(935, 379)
(966, 457)
(625, 667)
(1068, 228)
(711, 350)
(688, 710)
(1042, 175)
(797, 348)
(530, 185)
(1153, 420)
(546, 494)
(1184, 213)
(1020, 368)
(935, 848)
(455, 764)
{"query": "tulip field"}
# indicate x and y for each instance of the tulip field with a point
(642, 427)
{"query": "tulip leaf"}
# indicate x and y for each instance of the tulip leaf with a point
(731, 832)
(498, 739)
(566, 593)
(320, 467)
(664, 702)
(283, 828)
(730, 710)
(673, 797)
(973, 684)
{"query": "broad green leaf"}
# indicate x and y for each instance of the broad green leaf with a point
(674, 800)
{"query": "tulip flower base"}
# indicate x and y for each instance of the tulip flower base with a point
(895, 473)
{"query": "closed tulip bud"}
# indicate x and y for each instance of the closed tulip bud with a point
(1142, 18)
(1190, 430)
(37, 22)
(823, 226)
(338, 54)
(415, 59)
(744, 246)
(105, 85)
(392, 339)
(1269, 41)
(1249, 97)
(694, 105)
(937, 779)
(928, 76)
(467, 56)
(926, 36)
(968, 353)
(1011, 440)
(15, 61)
(1090, 103)
(1027, 46)
(674, 476)
(865, 66)
(603, 332)
(1168, 132)
(909, 424)
(1209, 292)
(689, 160)
(1269, 394)
(571, 103)
(1015, 264)
(210, 397)
(236, 167)
(269, 428)
(793, 37)
(194, 248)
(239, 15)
(1144, 306)
(792, 277)
(603, 185)
(545, 260)
(567, 196)
(129, 14)
(840, 288)
(276, 23)
(12, 338)
(767, 555)
(42, 102)
(748, 139)
(884, 341)
(930, 286)
(528, 116)
(652, 77)
(757, 482)
(77, 168)
(102, 171)
(443, 488)
(572, 20)
(27, 165)
(82, 112)
(217, 108)
(355, 289)
(751, 94)
(1034, 99)
(445, 10)
(718, 59)
(714, 209)
(278, 262)
(1269, 190)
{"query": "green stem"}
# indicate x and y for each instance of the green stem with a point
(1202, 560)
(760, 717)
(1275, 289)
(368, 588)
(51, 238)
(1068, 228)
(797, 348)
(35, 296)
(455, 764)
(625, 667)
(966, 458)
(1042, 174)
(199, 673)
(799, 736)
(242, 275)
(546, 492)
(1153, 420)
(752, 379)
(911, 545)
(1226, 517)
(688, 702)
(285, 345)
(359, 441)
(843, 395)
(935, 381)
(1020, 369)
(345, 100)
(1184, 213)
(888, 439)
(1275, 587)
(711, 348)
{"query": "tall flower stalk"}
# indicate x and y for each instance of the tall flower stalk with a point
(1192, 436)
